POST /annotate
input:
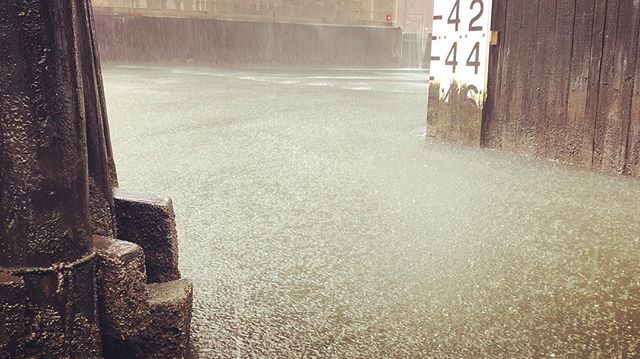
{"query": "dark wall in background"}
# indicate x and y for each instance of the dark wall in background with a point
(565, 82)
(143, 39)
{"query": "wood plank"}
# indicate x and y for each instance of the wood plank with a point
(632, 162)
(504, 96)
(578, 138)
(595, 70)
(490, 135)
(519, 59)
(615, 88)
(530, 55)
(542, 77)
(607, 73)
(618, 116)
(560, 71)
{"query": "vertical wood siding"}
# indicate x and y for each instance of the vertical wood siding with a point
(564, 82)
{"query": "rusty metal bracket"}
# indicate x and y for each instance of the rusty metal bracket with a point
(495, 38)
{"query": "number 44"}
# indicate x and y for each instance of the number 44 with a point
(472, 61)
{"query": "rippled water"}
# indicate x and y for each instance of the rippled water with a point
(317, 221)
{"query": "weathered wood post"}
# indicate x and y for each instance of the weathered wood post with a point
(69, 288)
(48, 101)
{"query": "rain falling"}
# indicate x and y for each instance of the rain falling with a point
(319, 179)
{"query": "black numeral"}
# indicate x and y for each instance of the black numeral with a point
(452, 58)
(475, 55)
(456, 10)
(477, 17)
(447, 95)
(471, 91)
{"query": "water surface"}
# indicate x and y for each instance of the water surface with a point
(317, 221)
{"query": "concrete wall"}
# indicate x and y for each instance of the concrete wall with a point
(145, 39)
(565, 82)
(415, 16)
(337, 12)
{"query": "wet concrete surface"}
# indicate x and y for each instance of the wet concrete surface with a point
(317, 221)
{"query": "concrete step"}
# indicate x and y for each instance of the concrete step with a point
(140, 320)
(122, 288)
(168, 334)
(149, 221)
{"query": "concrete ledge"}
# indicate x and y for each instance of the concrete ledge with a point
(149, 221)
(57, 308)
(169, 332)
(12, 313)
(122, 288)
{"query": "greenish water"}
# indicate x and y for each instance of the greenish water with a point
(317, 221)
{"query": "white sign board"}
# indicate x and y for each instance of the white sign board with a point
(460, 47)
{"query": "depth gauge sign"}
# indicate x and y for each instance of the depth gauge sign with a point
(459, 64)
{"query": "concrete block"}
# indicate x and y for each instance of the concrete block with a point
(169, 332)
(12, 313)
(122, 288)
(62, 313)
(149, 221)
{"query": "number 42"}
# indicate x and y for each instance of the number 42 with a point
(454, 16)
